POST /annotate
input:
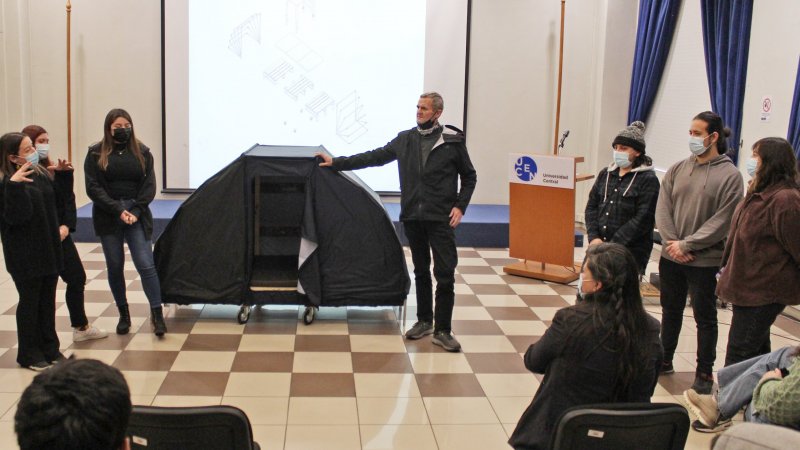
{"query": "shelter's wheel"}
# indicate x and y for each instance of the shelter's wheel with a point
(244, 314)
(308, 315)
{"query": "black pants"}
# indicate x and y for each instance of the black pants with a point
(749, 335)
(75, 278)
(438, 237)
(36, 320)
(678, 280)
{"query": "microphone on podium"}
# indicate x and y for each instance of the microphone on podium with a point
(563, 138)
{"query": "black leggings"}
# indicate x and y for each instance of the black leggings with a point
(75, 278)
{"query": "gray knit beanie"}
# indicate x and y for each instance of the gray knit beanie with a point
(632, 136)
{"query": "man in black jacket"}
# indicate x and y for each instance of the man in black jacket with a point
(431, 160)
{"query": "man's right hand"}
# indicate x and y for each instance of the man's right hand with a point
(327, 160)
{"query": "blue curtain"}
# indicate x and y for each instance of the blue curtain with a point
(793, 135)
(726, 38)
(656, 26)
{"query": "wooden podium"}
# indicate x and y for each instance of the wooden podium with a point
(542, 218)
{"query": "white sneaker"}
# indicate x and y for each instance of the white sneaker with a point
(92, 332)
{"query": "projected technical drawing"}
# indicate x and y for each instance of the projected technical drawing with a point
(319, 104)
(350, 123)
(278, 72)
(250, 27)
(299, 87)
(297, 50)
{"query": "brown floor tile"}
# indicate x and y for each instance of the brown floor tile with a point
(323, 385)
(194, 383)
(677, 382)
(8, 360)
(381, 363)
(98, 249)
(479, 270)
(496, 363)
(136, 310)
(319, 343)
(476, 327)
(458, 279)
(212, 342)
(424, 345)
(129, 275)
(63, 323)
(114, 341)
(94, 265)
(387, 314)
(467, 300)
(563, 289)
(8, 339)
(468, 254)
(154, 361)
(276, 326)
(499, 262)
(521, 343)
(544, 300)
(173, 325)
(265, 313)
(491, 289)
(788, 325)
(182, 312)
(511, 313)
(516, 279)
(135, 285)
(386, 327)
(263, 362)
(99, 297)
(449, 385)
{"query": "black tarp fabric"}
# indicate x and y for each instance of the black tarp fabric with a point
(349, 252)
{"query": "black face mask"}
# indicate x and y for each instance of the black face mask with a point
(122, 135)
(426, 125)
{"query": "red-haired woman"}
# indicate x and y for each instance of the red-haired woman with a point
(72, 274)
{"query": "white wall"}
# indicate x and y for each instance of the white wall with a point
(116, 48)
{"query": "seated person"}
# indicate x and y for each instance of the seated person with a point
(604, 349)
(768, 385)
(77, 404)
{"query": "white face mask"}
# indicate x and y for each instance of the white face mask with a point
(751, 165)
(621, 159)
(43, 150)
(697, 145)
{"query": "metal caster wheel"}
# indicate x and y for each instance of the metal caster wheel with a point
(244, 314)
(308, 315)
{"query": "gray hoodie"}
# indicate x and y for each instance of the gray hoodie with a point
(695, 207)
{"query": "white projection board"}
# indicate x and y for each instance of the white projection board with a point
(344, 74)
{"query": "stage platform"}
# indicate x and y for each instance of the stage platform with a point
(484, 226)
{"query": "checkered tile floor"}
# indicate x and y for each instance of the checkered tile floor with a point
(349, 380)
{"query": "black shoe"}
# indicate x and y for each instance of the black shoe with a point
(157, 318)
(666, 368)
(39, 366)
(124, 324)
(703, 383)
(58, 359)
(721, 425)
(447, 341)
(419, 330)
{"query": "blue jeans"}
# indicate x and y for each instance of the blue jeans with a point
(737, 382)
(142, 255)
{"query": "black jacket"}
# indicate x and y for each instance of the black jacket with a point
(65, 201)
(572, 379)
(105, 209)
(29, 226)
(623, 210)
(428, 193)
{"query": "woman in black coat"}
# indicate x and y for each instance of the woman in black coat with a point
(31, 246)
(121, 182)
(604, 349)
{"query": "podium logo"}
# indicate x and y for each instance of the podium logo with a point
(525, 168)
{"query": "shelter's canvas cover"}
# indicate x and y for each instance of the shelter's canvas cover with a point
(349, 253)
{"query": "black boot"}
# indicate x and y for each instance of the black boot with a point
(157, 317)
(124, 324)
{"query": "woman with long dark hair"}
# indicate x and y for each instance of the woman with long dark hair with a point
(761, 263)
(31, 246)
(604, 349)
(73, 273)
(121, 182)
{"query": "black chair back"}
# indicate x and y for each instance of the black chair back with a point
(651, 426)
(188, 428)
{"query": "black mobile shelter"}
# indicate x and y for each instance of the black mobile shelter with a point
(275, 228)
